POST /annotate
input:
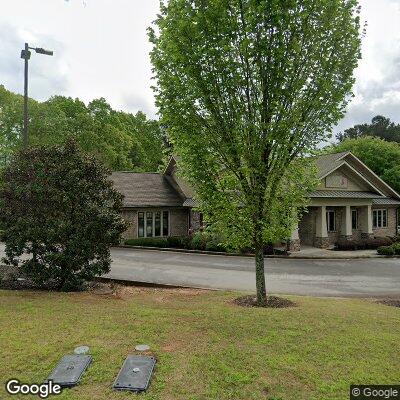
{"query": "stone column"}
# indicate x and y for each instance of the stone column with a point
(346, 226)
(321, 231)
(366, 222)
(293, 244)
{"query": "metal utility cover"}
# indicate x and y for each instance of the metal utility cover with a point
(135, 373)
(69, 370)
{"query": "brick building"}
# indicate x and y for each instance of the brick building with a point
(350, 202)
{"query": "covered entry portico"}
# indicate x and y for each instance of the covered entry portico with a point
(332, 219)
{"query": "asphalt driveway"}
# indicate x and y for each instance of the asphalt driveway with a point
(344, 278)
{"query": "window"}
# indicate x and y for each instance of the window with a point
(165, 223)
(149, 224)
(141, 224)
(330, 221)
(153, 224)
(379, 218)
(354, 219)
(157, 223)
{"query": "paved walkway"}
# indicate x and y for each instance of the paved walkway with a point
(314, 252)
(343, 278)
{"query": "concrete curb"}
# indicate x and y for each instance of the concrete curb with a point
(127, 282)
(218, 253)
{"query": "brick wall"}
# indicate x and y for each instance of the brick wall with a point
(392, 222)
(178, 222)
(130, 216)
(307, 227)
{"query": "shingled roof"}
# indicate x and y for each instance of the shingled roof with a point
(146, 190)
(326, 162)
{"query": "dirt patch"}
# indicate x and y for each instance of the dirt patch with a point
(390, 302)
(271, 302)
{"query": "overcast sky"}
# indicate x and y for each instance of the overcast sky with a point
(101, 50)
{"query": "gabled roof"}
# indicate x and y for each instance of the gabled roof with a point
(146, 190)
(328, 163)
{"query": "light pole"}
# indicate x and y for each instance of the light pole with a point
(26, 55)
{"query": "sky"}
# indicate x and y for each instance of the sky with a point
(101, 49)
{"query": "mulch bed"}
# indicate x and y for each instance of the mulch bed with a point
(271, 302)
(390, 302)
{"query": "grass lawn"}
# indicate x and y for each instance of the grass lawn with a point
(207, 348)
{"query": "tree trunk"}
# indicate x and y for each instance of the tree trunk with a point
(260, 275)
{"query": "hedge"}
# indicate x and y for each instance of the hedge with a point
(368, 244)
(391, 250)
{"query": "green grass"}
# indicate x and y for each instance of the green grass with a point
(207, 348)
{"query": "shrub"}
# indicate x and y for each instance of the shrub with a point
(175, 242)
(215, 245)
(58, 206)
(371, 244)
(391, 250)
(386, 251)
(374, 243)
(147, 242)
(349, 245)
(199, 241)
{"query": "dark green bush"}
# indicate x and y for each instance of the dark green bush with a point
(147, 242)
(58, 206)
(386, 251)
(175, 242)
(391, 250)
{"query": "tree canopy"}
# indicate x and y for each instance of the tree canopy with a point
(245, 87)
(381, 156)
(60, 210)
(121, 140)
(380, 127)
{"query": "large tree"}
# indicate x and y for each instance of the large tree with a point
(121, 140)
(59, 209)
(245, 87)
(380, 127)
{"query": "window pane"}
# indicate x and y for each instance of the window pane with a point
(384, 218)
(354, 219)
(141, 224)
(165, 223)
(375, 219)
(379, 218)
(149, 224)
(157, 223)
(330, 217)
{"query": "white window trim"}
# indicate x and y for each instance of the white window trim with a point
(382, 210)
(153, 223)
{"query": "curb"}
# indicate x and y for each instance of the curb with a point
(128, 282)
(219, 253)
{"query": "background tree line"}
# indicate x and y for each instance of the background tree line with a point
(121, 140)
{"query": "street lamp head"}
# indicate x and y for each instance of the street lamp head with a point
(43, 51)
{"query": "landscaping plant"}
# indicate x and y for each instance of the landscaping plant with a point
(59, 209)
